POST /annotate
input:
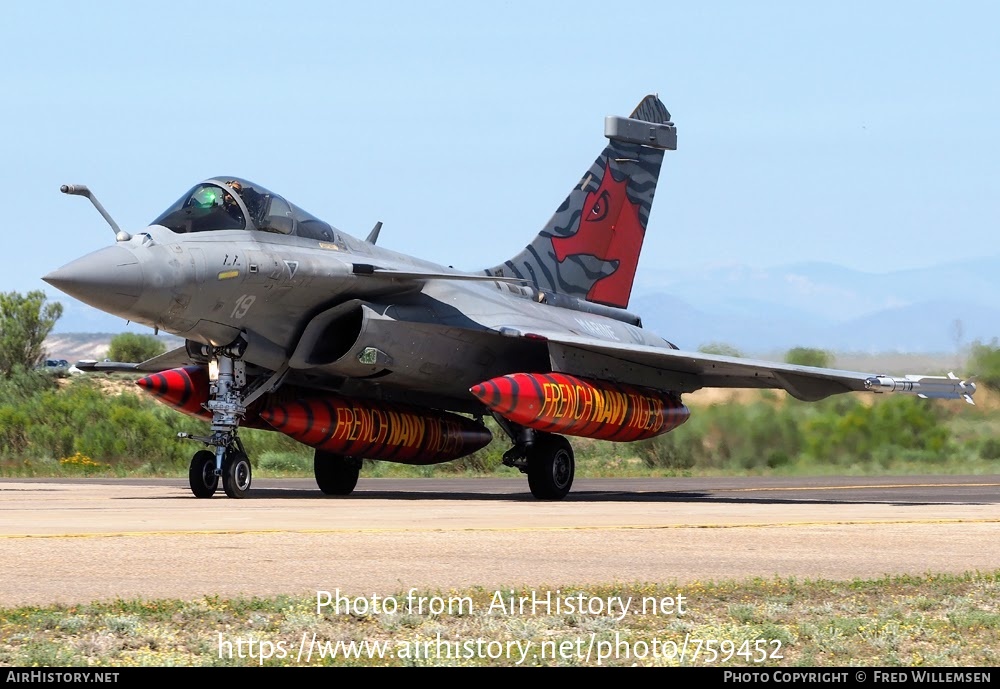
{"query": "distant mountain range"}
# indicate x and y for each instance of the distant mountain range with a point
(936, 309)
(74, 347)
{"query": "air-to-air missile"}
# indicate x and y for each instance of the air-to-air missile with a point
(928, 387)
(559, 403)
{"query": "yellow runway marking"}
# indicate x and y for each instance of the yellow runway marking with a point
(899, 485)
(489, 529)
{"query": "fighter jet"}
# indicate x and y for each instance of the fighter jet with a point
(293, 325)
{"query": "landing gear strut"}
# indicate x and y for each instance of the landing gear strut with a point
(547, 459)
(229, 461)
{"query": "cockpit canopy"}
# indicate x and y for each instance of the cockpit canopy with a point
(231, 203)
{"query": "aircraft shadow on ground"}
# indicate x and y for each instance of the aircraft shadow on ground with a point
(582, 496)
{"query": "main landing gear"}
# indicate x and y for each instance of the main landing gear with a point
(228, 460)
(336, 474)
(546, 458)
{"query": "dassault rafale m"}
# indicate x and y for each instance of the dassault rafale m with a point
(359, 352)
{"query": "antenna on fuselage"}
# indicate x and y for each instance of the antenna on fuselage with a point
(373, 235)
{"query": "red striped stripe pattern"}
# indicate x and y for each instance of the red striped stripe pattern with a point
(560, 403)
(187, 389)
(184, 389)
(371, 430)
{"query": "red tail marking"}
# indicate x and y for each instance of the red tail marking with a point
(610, 230)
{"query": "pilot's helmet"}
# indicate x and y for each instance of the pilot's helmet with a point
(228, 199)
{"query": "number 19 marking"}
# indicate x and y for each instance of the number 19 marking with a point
(243, 305)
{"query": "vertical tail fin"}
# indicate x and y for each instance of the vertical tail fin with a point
(590, 248)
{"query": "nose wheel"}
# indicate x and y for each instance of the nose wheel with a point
(201, 476)
(236, 473)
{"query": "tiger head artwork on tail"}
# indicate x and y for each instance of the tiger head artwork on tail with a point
(590, 247)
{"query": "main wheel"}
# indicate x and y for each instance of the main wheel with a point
(550, 467)
(336, 474)
(201, 476)
(236, 474)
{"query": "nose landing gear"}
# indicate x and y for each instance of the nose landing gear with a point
(229, 461)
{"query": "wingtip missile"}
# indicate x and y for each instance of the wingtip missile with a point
(926, 387)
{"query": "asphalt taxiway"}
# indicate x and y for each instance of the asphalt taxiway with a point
(73, 541)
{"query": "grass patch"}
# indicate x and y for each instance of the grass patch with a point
(910, 621)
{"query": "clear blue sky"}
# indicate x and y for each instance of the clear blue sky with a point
(859, 133)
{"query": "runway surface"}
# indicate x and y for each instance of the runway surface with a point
(74, 541)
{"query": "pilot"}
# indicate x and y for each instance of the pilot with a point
(230, 204)
(250, 197)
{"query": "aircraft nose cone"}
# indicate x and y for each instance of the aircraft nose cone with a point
(109, 279)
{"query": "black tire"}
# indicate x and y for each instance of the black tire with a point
(335, 474)
(551, 467)
(201, 476)
(236, 474)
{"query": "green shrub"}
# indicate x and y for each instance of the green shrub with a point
(807, 356)
(673, 451)
(13, 434)
(984, 363)
(763, 436)
(285, 462)
(854, 431)
(24, 384)
(135, 347)
(720, 348)
(990, 448)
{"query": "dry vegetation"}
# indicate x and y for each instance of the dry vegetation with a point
(929, 621)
